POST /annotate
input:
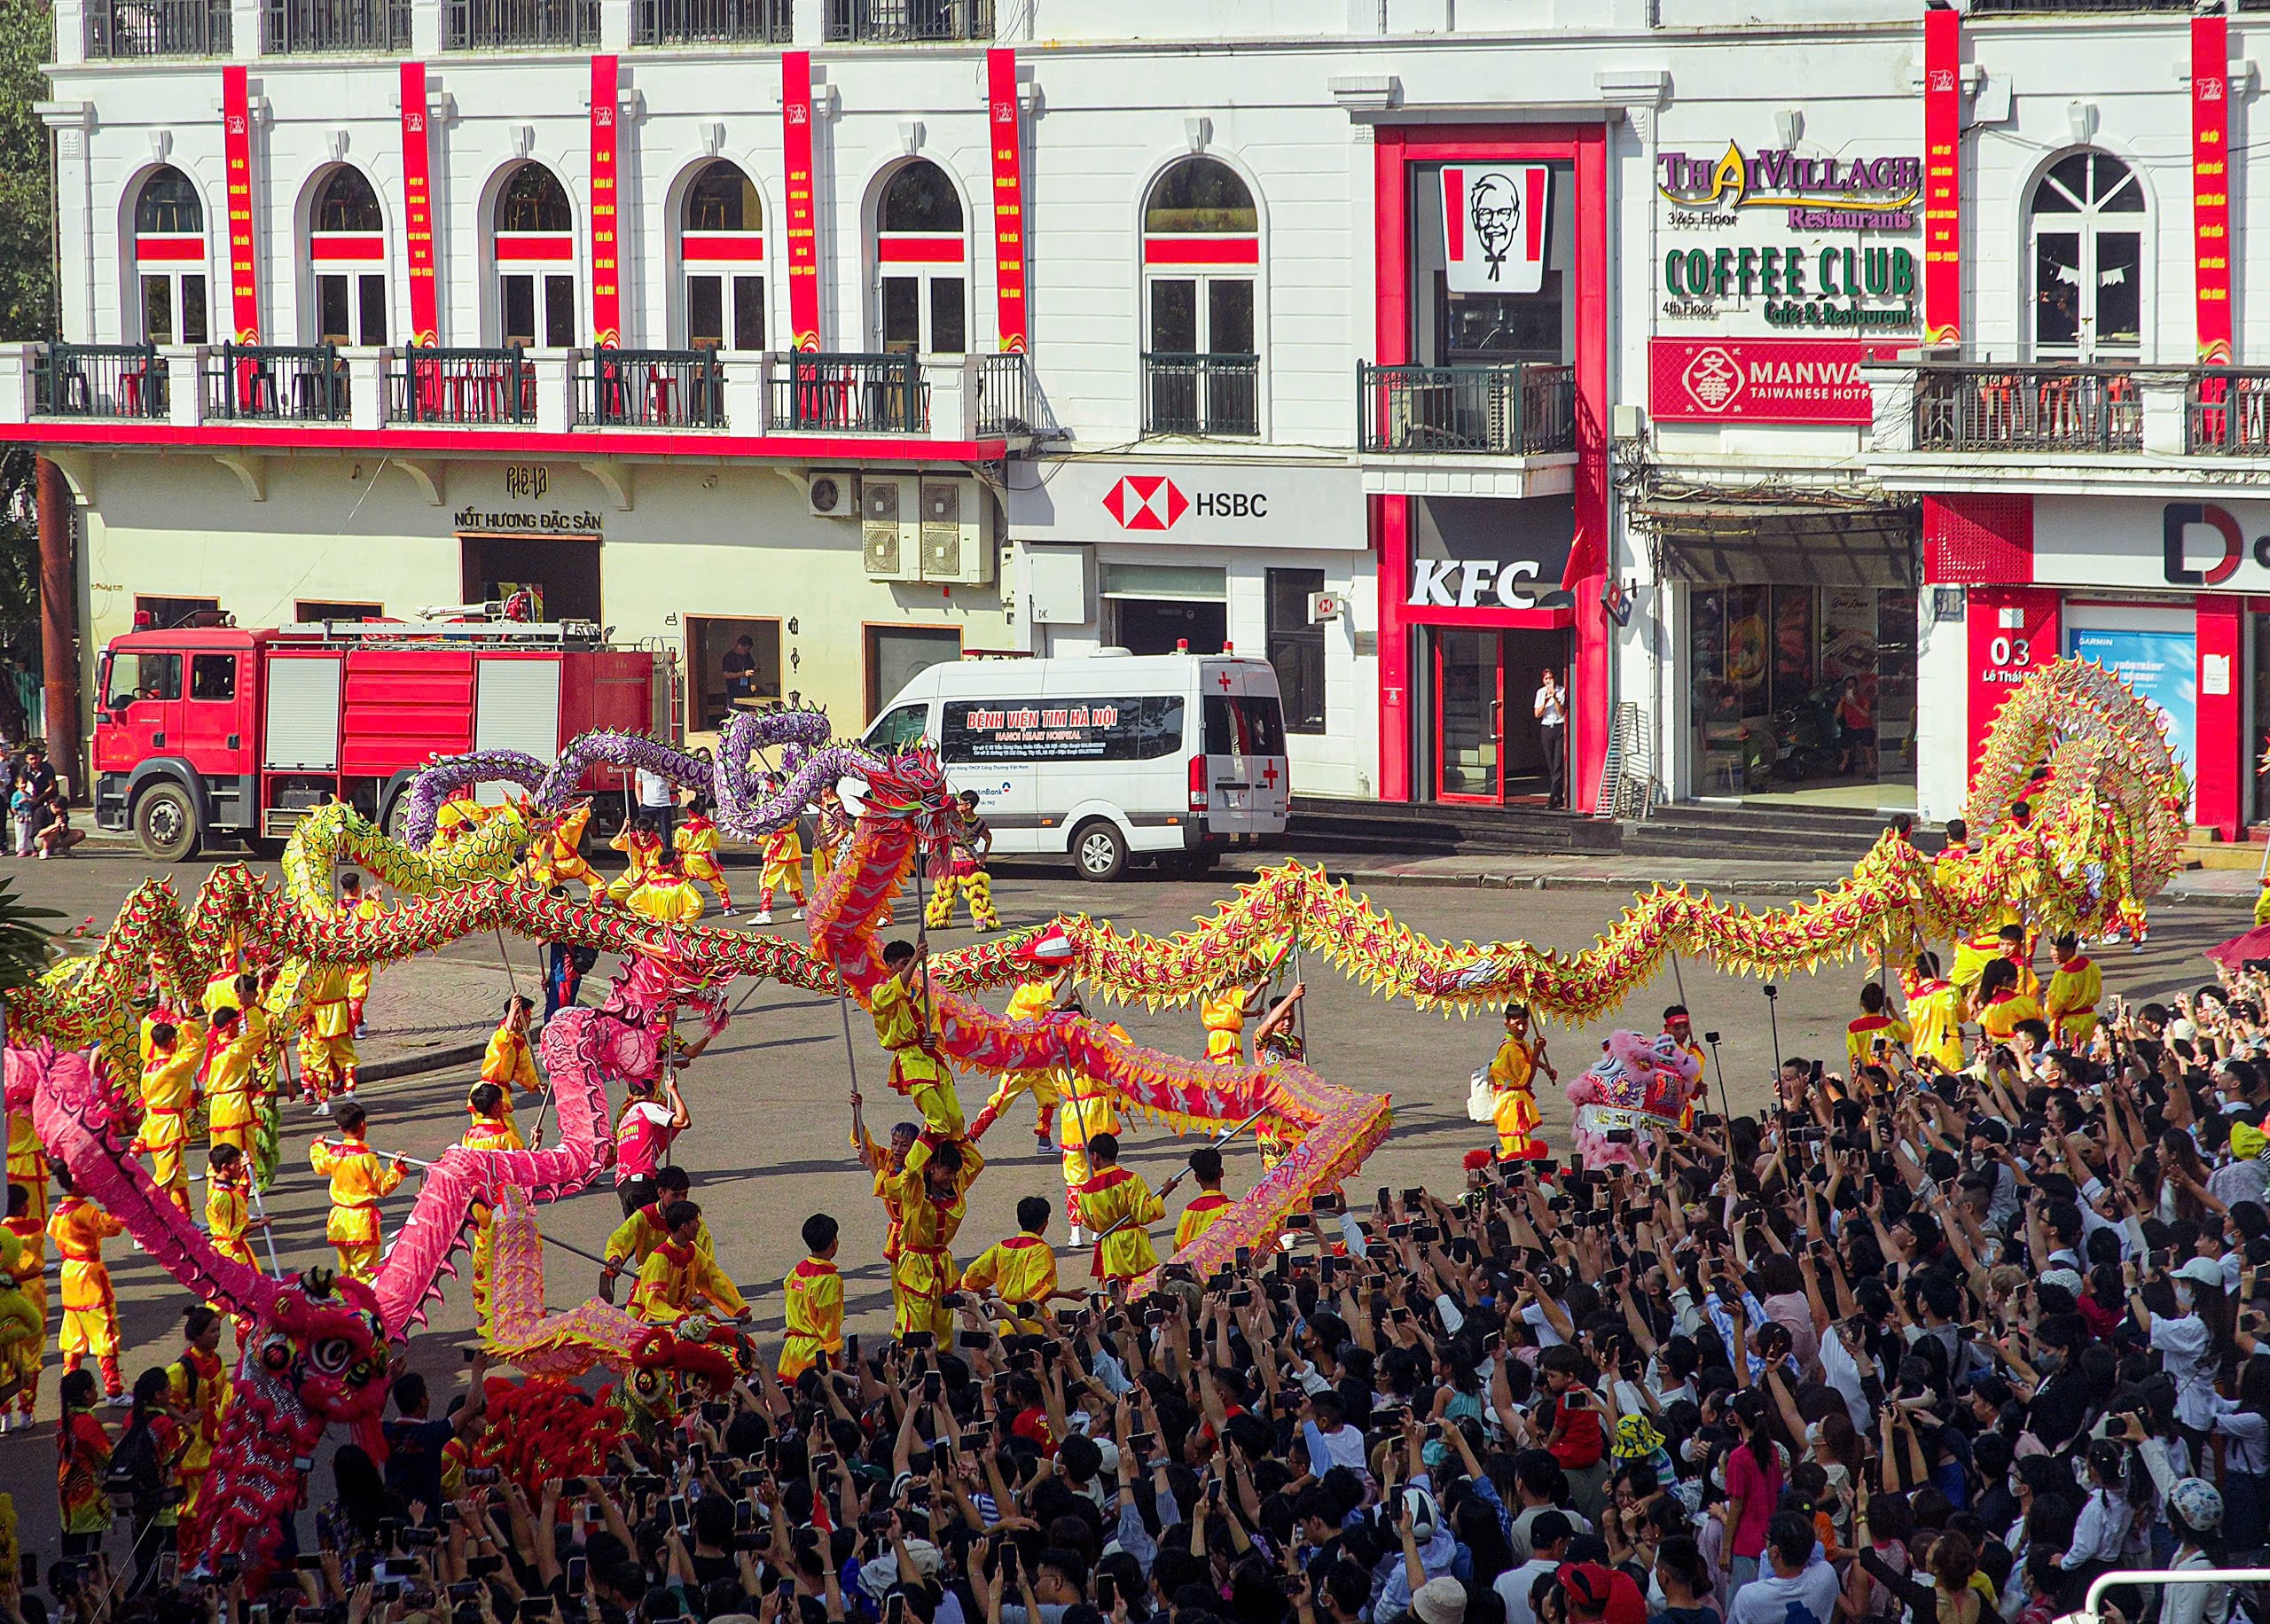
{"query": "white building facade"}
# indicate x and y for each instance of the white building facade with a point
(1419, 347)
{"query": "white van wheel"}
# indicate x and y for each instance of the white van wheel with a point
(1098, 851)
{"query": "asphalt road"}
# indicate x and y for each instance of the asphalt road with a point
(768, 1145)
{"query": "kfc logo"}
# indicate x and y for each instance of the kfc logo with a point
(1494, 225)
(1146, 501)
(1713, 380)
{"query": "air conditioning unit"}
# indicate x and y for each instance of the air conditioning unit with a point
(956, 550)
(890, 544)
(832, 493)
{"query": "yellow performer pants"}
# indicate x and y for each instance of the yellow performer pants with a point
(705, 869)
(918, 1279)
(327, 1064)
(931, 1088)
(777, 876)
(977, 886)
(1516, 1119)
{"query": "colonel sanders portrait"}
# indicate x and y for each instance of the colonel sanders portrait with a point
(1493, 209)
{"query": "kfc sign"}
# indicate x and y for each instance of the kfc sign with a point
(1494, 227)
(1474, 583)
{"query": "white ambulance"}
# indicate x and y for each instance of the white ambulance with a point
(1108, 758)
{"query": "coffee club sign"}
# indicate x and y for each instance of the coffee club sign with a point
(1802, 286)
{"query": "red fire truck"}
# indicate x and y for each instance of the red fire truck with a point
(216, 731)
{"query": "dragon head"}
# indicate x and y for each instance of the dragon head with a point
(910, 785)
(653, 989)
(321, 1337)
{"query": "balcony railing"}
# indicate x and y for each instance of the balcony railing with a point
(1514, 409)
(100, 380)
(276, 384)
(892, 21)
(291, 27)
(2028, 409)
(2227, 414)
(507, 24)
(1008, 403)
(651, 388)
(854, 394)
(714, 22)
(1186, 394)
(158, 28)
(462, 386)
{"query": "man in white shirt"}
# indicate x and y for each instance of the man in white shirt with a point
(658, 800)
(1798, 1586)
(1552, 711)
(1549, 1536)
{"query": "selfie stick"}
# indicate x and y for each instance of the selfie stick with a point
(1772, 1014)
(1719, 1066)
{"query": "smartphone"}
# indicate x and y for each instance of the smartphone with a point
(574, 1488)
(1142, 1444)
(387, 1590)
(481, 1477)
(1009, 1562)
(535, 1606)
(933, 1385)
(1107, 1594)
(895, 1610)
(1384, 1197)
(973, 1340)
(716, 1412)
(744, 1515)
(576, 1570)
(680, 1517)
(917, 1339)
(465, 1590)
(309, 1562)
(481, 1568)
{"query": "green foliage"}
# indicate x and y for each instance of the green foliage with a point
(27, 943)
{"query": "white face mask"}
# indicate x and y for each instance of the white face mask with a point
(2182, 1296)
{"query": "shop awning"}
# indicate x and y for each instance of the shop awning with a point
(1788, 544)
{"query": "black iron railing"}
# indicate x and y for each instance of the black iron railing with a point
(462, 386)
(100, 380)
(508, 24)
(1186, 394)
(283, 384)
(2008, 8)
(289, 27)
(2028, 409)
(651, 388)
(714, 22)
(1518, 409)
(1006, 397)
(894, 21)
(2227, 414)
(158, 28)
(864, 393)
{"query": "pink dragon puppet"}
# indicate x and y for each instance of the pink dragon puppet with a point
(317, 1353)
(1637, 1084)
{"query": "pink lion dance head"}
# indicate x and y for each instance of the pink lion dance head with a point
(1638, 1083)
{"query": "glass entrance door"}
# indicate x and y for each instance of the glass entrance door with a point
(1469, 716)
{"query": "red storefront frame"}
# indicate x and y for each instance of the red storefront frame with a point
(1398, 148)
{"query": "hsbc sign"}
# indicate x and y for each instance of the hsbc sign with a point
(1232, 504)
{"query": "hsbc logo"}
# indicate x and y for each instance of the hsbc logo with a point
(1153, 502)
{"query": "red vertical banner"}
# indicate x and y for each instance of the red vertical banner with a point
(803, 219)
(1009, 196)
(2211, 197)
(607, 284)
(417, 208)
(236, 144)
(1943, 177)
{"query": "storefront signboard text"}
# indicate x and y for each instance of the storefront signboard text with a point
(1761, 380)
(2152, 546)
(1193, 504)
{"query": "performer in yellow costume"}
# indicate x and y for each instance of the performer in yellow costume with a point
(168, 1095)
(696, 840)
(355, 902)
(2074, 991)
(1875, 1023)
(885, 1163)
(1089, 1111)
(1047, 989)
(29, 1272)
(666, 897)
(490, 1129)
(228, 1203)
(1679, 1026)
(635, 1238)
(358, 1178)
(23, 1336)
(1934, 1012)
(900, 1008)
(233, 1051)
(78, 1227)
(197, 1387)
(510, 1061)
(328, 1062)
(2001, 1005)
(460, 815)
(26, 1156)
(1275, 1041)
(972, 840)
(1021, 1271)
(557, 856)
(813, 1300)
(1208, 1207)
(932, 1192)
(678, 1278)
(1117, 1195)
(1513, 1072)
(1223, 1012)
(642, 843)
(784, 867)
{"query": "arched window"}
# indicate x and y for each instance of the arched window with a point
(721, 242)
(2087, 223)
(1202, 256)
(534, 235)
(922, 263)
(346, 259)
(170, 259)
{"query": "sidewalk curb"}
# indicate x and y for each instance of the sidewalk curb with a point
(426, 1060)
(1577, 882)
